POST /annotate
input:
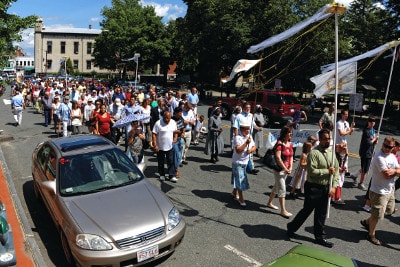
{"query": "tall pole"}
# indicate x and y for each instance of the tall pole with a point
(336, 9)
(136, 56)
(66, 73)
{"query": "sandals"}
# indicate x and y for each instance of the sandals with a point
(374, 240)
(365, 224)
(272, 206)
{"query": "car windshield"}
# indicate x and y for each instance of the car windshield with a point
(289, 99)
(96, 171)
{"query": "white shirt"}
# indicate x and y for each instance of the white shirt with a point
(343, 126)
(381, 162)
(242, 158)
(165, 134)
(188, 116)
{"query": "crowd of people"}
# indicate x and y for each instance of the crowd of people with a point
(171, 124)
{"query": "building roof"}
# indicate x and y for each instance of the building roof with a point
(72, 31)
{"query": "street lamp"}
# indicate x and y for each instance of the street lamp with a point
(136, 59)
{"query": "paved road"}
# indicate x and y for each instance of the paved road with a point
(220, 232)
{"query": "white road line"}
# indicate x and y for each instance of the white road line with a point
(243, 256)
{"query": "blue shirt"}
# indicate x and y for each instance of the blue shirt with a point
(17, 101)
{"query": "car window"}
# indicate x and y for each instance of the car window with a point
(43, 156)
(96, 171)
(51, 166)
(289, 99)
(274, 99)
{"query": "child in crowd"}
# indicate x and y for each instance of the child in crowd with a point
(197, 127)
(300, 174)
(342, 157)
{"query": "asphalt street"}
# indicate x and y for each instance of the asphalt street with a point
(219, 231)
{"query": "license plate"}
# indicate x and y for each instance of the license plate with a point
(147, 253)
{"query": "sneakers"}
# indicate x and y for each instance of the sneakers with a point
(162, 178)
(362, 186)
(174, 179)
(367, 208)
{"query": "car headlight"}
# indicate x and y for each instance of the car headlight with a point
(173, 218)
(92, 242)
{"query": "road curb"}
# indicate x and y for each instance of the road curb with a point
(26, 229)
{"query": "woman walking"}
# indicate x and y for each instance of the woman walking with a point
(284, 157)
(216, 142)
(103, 123)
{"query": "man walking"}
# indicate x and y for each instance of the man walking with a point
(17, 106)
(316, 189)
(164, 135)
(384, 168)
(47, 104)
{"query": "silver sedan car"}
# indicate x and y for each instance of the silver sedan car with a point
(107, 212)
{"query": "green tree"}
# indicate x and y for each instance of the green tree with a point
(10, 28)
(215, 34)
(130, 28)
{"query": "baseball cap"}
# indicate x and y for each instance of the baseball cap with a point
(66, 97)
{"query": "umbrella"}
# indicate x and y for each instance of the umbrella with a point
(132, 117)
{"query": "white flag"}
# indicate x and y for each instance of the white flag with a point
(325, 83)
(241, 65)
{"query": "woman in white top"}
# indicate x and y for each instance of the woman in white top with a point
(76, 118)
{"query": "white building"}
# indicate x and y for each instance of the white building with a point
(53, 46)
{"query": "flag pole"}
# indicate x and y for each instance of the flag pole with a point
(387, 88)
(335, 9)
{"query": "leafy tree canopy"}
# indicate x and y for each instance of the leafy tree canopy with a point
(130, 28)
(10, 28)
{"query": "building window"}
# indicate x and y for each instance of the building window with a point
(76, 63)
(49, 63)
(76, 47)
(49, 47)
(62, 51)
(88, 64)
(89, 48)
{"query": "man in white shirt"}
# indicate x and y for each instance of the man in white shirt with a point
(164, 134)
(189, 119)
(384, 169)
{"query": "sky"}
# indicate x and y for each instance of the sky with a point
(80, 14)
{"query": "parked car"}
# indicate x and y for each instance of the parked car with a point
(306, 256)
(278, 106)
(106, 211)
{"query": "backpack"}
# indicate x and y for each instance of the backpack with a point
(270, 159)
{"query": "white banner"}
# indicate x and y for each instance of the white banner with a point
(371, 53)
(320, 15)
(325, 83)
(241, 65)
(299, 137)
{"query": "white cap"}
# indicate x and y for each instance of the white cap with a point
(245, 124)
(117, 101)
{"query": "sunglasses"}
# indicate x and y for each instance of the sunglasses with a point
(387, 146)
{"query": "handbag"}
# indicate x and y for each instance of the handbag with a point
(270, 159)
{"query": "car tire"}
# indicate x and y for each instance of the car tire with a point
(67, 251)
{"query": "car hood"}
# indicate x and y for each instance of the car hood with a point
(121, 212)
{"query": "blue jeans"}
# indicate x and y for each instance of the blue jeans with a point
(47, 117)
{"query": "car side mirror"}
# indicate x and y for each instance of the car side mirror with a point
(50, 186)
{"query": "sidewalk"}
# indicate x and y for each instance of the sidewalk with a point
(20, 245)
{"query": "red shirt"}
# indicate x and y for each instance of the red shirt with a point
(104, 123)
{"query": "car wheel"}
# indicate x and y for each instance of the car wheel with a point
(66, 249)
